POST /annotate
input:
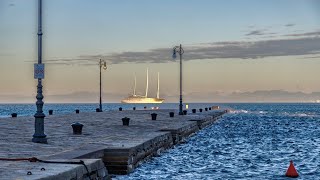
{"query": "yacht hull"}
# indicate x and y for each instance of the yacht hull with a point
(142, 100)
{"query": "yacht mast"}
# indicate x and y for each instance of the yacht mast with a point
(147, 84)
(158, 86)
(135, 85)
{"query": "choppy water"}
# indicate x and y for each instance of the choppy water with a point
(254, 141)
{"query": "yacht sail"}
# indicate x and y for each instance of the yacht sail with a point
(134, 98)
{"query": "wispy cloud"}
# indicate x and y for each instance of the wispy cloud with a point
(256, 33)
(290, 25)
(222, 50)
(307, 43)
(315, 33)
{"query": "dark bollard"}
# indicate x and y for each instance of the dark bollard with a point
(14, 115)
(77, 111)
(206, 109)
(50, 112)
(120, 108)
(125, 121)
(200, 110)
(194, 110)
(145, 107)
(171, 114)
(98, 110)
(77, 128)
(154, 116)
(134, 108)
(184, 112)
(209, 108)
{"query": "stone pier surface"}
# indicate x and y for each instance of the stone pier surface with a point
(103, 139)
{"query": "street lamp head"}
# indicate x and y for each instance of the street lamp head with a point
(174, 55)
(105, 65)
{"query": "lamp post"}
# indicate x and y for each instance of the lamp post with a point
(39, 136)
(180, 51)
(102, 64)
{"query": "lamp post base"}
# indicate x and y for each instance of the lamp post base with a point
(39, 136)
(40, 139)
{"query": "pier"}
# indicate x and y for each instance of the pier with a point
(105, 146)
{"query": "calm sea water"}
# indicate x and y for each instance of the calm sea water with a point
(254, 141)
(29, 109)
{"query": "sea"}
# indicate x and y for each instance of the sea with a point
(252, 141)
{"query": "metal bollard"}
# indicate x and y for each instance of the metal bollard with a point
(14, 115)
(125, 121)
(200, 110)
(194, 110)
(154, 116)
(50, 112)
(206, 109)
(77, 111)
(77, 128)
(134, 108)
(184, 112)
(120, 108)
(171, 114)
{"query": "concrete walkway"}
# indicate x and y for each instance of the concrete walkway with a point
(103, 137)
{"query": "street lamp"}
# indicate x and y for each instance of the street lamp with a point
(102, 64)
(39, 136)
(180, 51)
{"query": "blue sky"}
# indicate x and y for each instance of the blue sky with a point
(135, 34)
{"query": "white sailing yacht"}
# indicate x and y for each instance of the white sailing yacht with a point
(134, 98)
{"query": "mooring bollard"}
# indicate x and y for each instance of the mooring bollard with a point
(154, 116)
(98, 110)
(194, 110)
(120, 108)
(184, 112)
(200, 110)
(77, 111)
(209, 108)
(14, 115)
(134, 108)
(171, 114)
(125, 121)
(145, 107)
(77, 128)
(206, 109)
(50, 112)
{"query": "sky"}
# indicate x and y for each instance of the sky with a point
(235, 51)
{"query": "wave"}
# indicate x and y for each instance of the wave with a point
(242, 111)
(300, 114)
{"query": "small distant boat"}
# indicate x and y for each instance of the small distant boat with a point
(134, 98)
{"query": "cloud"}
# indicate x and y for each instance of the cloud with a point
(290, 25)
(222, 50)
(297, 45)
(315, 33)
(256, 33)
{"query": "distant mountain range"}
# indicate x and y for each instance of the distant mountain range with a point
(255, 96)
